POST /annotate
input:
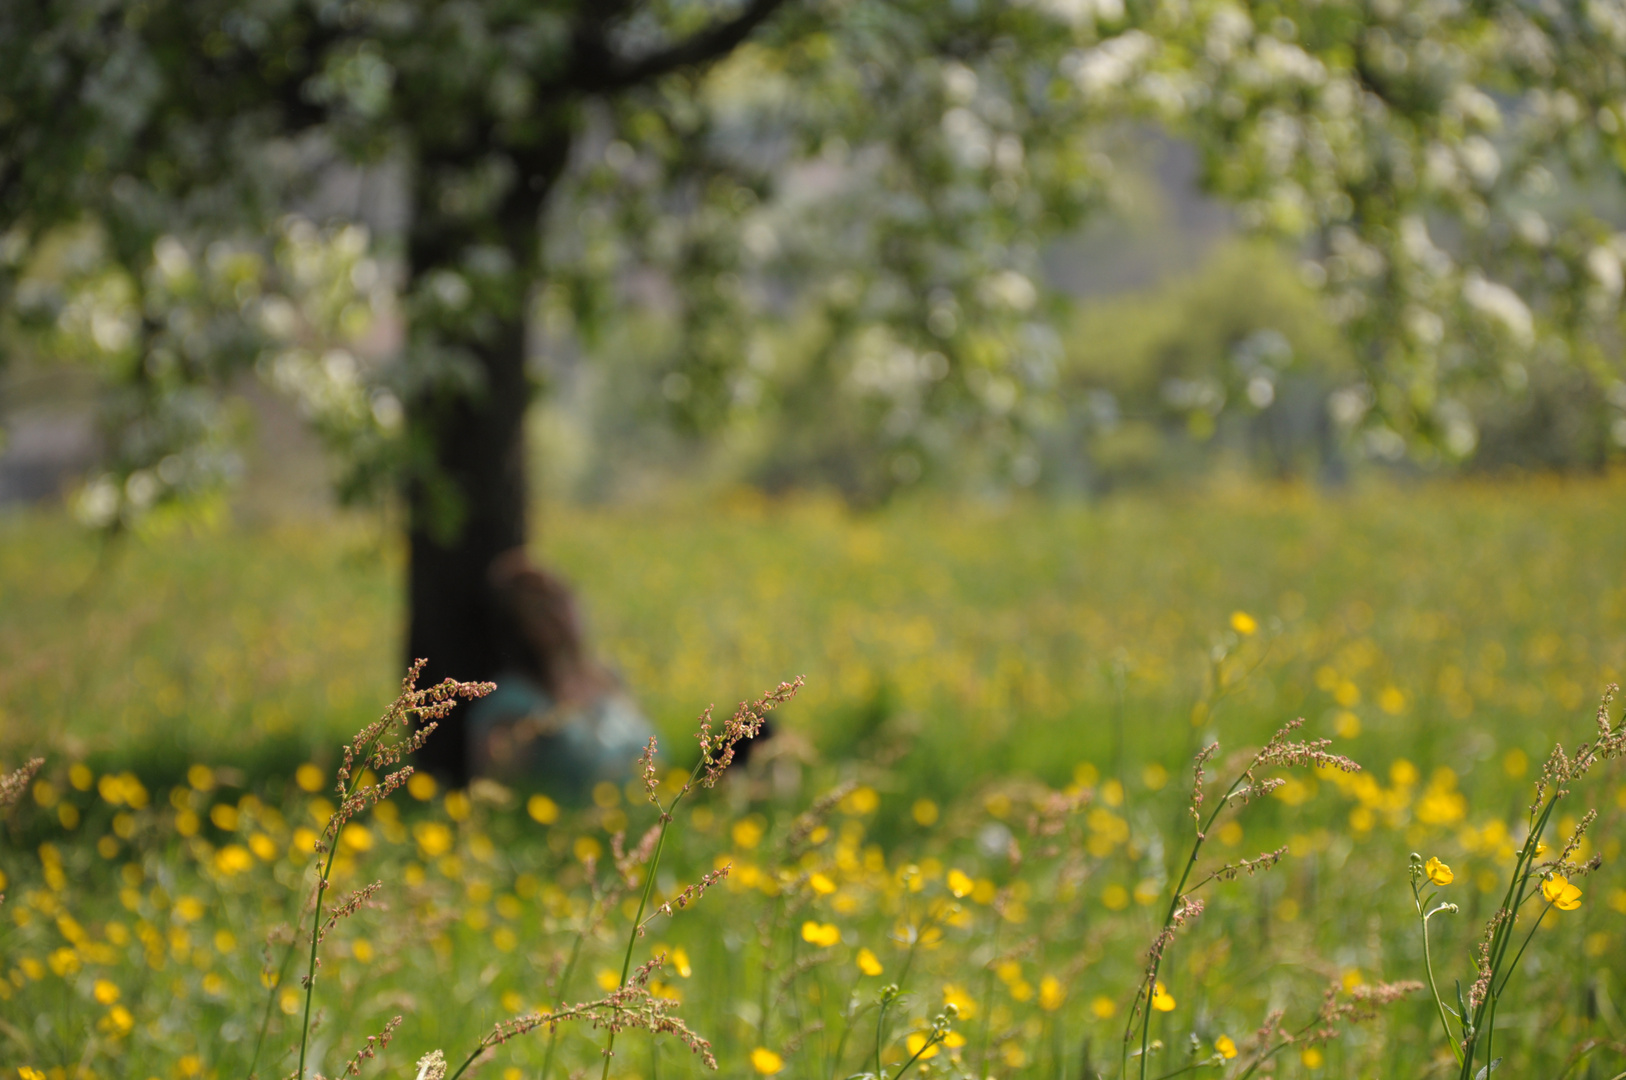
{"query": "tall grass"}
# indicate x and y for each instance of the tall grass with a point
(975, 800)
(105, 1003)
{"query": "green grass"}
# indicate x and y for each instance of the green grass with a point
(971, 657)
(993, 634)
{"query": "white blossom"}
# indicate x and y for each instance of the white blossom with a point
(1501, 304)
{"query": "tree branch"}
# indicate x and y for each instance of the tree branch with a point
(597, 69)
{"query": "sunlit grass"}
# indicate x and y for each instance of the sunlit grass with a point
(1004, 634)
(974, 674)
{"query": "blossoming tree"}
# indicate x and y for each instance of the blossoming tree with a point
(883, 176)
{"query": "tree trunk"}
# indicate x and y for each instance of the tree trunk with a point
(479, 454)
(467, 496)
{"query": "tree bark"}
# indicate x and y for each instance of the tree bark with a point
(479, 454)
(467, 495)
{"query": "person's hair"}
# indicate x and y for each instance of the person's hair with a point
(544, 626)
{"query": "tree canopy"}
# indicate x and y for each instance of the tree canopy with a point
(836, 197)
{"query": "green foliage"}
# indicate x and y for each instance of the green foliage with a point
(1452, 170)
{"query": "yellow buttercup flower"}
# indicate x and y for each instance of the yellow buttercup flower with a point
(917, 1046)
(747, 833)
(121, 1020)
(765, 1061)
(960, 883)
(1162, 1000)
(1225, 1047)
(1051, 993)
(105, 992)
(1243, 623)
(1560, 893)
(821, 934)
(1438, 873)
(233, 859)
(867, 962)
(956, 996)
(309, 777)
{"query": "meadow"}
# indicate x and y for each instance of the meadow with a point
(980, 796)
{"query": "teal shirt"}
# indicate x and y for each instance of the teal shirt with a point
(518, 734)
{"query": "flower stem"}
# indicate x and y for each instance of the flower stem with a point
(880, 1028)
(643, 902)
(1428, 966)
(1149, 988)
(361, 755)
(1503, 935)
(564, 989)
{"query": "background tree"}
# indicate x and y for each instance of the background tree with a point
(833, 209)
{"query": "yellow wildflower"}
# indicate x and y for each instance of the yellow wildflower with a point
(1438, 873)
(765, 1061)
(1225, 1047)
(821, 934)
(121, 1019)
(1560, 893)
(105, 992)
(747, 833)
(63, 962)
(434, 838)
(356, 837)
(960, 883)
(954, 995)
(1162, 1000)
(918, 1048)
(860, 801)
(1243, 623)
(233, 859)
(867, 962)
(1051, 993)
